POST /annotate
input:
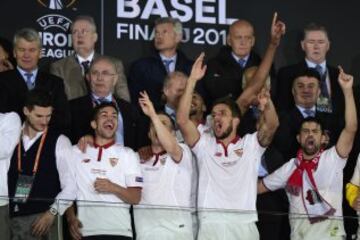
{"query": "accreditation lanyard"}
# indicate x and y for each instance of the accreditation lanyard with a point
(38, 153)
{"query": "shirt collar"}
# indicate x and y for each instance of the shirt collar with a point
(167, 58)
(108, 97)
(170, 111)
(313, 65)
(89, 58)
(38, 134)
(22, 72)
(302, 109)
(246, 58)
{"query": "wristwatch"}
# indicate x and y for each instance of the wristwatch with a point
(53, 211)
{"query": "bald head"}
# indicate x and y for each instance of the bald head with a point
(241, 38)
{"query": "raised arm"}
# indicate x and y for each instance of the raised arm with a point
(347, 135)
(269, 121)
(187, 127)
(261, 74)
(166, 138)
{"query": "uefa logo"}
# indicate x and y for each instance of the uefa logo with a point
(56, 4)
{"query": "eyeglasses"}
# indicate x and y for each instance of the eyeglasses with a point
(103, 74)
(81, 31)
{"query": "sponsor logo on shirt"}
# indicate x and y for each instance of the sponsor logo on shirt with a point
(113, 161)
(97, 171)
(228, 164)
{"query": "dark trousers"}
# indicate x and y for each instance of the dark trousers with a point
(273, 221)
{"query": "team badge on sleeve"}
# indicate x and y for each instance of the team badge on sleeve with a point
(139, 179)
(113, 161)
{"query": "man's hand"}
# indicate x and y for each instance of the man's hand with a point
(84, 142)
(263, 99)
(356, 203)
(198, 69)
(146, 104)
(278, 29)
(345, 80)
(42, 224)
(74, 228)
(104, 185)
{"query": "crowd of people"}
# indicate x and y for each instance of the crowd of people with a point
(177, 149)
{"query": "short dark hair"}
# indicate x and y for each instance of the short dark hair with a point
(307, 72)
(314, 27)
(38, 97)
(228, 101)
(311, 120)
(100, 106)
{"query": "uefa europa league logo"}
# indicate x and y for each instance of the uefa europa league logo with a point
(56, 4)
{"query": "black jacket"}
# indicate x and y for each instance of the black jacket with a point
(13, 91)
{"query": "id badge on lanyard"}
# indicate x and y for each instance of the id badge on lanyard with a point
(24, 183)
(23, 188)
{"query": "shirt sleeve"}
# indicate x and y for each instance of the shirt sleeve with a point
(186, 159)
(133, 175)
(279, 178)
(10, 130)
(198, 147)
(64, 155)
(252, 143)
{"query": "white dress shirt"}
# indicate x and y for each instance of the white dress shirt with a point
(10, 128)
(63, 153)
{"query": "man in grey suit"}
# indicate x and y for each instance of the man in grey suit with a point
(73, 68)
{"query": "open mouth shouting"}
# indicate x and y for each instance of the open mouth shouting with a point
(109, 125)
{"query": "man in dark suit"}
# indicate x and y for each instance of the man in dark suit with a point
(15, 84)
(147, 74)
(315, 44)
(225, 71)
(306, 91)
(102, 77)
(73, 68)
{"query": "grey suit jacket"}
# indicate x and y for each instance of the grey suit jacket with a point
(70, 70)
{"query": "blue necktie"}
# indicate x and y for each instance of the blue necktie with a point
(167, 64)
(323, 87)
(30, 85)
(242, 62)
(86, 66)
(102, 100)
(309, 113)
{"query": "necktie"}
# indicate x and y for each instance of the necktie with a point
(309, 112)
(102, 100)
(85, 65)
(167, 64)
(323, 86)
(30, 85)
(242, 62)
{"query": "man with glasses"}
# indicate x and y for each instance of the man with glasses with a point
(102, 78)
(73, 68)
